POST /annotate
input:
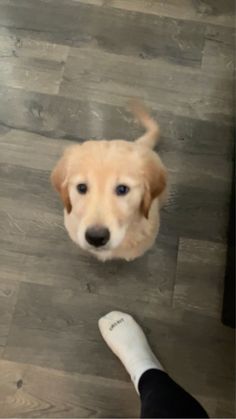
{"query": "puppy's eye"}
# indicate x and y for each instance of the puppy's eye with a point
(82, 188)
(122, 190)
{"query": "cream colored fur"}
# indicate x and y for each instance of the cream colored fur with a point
(134, 219)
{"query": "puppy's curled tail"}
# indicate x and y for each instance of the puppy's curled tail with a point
(151, 136)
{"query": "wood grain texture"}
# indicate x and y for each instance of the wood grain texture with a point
(113, 30)
(193, 209)
(200, 267)
(8, 297)
(30, 391)
(37, 65)
(67, 71)
(74, 119)
(171, 87)
(212, 11)
(58, 319)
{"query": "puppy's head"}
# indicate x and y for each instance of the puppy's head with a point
(105, 186)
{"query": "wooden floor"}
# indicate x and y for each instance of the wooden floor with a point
(67, 69)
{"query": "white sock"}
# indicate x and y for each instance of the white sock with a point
(127, 340)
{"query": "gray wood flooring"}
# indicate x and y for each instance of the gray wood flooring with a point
(67, 69)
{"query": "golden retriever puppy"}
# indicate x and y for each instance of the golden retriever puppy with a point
(112, 193)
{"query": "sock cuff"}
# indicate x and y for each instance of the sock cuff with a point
(140, 370)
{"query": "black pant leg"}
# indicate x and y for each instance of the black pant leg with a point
(161, 397)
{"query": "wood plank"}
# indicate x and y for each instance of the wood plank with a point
(215, 12)
(8, 298)
(42, 152)
(53, 327)
(168, 87)
(30, 391)
(200, 276)
(219, 52)
(66, 264)
(112, 30)
(192, 351)
(193, 208)
(66, 118)
(225, 409)
(31, 65)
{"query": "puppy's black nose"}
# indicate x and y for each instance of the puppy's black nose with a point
(97, 236)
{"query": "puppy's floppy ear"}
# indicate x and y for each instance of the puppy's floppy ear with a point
(58, 179)
(155, 180)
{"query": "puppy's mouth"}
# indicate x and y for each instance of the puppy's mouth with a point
(102, 250)
(99, 249)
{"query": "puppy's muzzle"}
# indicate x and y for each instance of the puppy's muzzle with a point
(97, 236)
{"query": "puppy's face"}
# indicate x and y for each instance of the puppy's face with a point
(107, 185)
